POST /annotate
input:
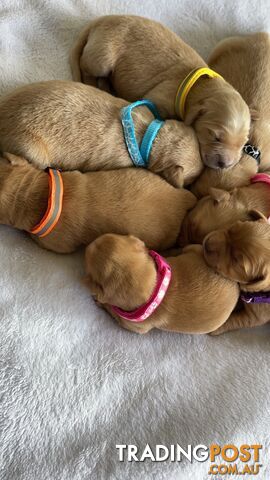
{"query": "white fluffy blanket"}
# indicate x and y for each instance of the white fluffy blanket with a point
(73, 384)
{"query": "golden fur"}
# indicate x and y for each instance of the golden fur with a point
(118, 50)
(241, 253)
(121, 272)
(245, 63)
(73, 126)
(222, 208)
(120, 201)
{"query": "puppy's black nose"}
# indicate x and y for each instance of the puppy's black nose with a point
(221, 164)
(220, 161)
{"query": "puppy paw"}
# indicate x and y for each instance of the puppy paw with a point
(174, 175)
(218, 331)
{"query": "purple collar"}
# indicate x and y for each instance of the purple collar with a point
(141, 313)
(255, 297)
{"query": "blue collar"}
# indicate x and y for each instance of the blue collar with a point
(140, 155)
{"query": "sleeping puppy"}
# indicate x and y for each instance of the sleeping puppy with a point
(241, 253)
(141, 58)
(245, 63)
(221, 209)
(237, 176)
(71, 126)
(120, 201)
(123, 275)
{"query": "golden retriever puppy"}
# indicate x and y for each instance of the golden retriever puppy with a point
(237, 176)
(141, 58)
(241, 253)
(245, 63)
(127, 279)
(71, 126)
(90, 204)
(222, 208)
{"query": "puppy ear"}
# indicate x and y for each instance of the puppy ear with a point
(174, 175)
(94, 287)
(15, 159)
(194, 112)
(255, 215)
(139, 244)
(219, 195)
(260, 284)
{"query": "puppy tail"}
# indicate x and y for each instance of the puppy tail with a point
(76, 53)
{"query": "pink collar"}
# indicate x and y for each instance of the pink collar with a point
(164, 274)
(261, 177)
(264, 178)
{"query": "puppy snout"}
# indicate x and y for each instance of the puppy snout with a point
(217, 160)
(222, 161)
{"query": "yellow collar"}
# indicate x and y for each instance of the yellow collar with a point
(186, 85)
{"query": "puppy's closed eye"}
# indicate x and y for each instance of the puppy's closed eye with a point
(255, 215)
(215, 136)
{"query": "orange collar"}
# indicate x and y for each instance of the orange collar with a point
(54, 208)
